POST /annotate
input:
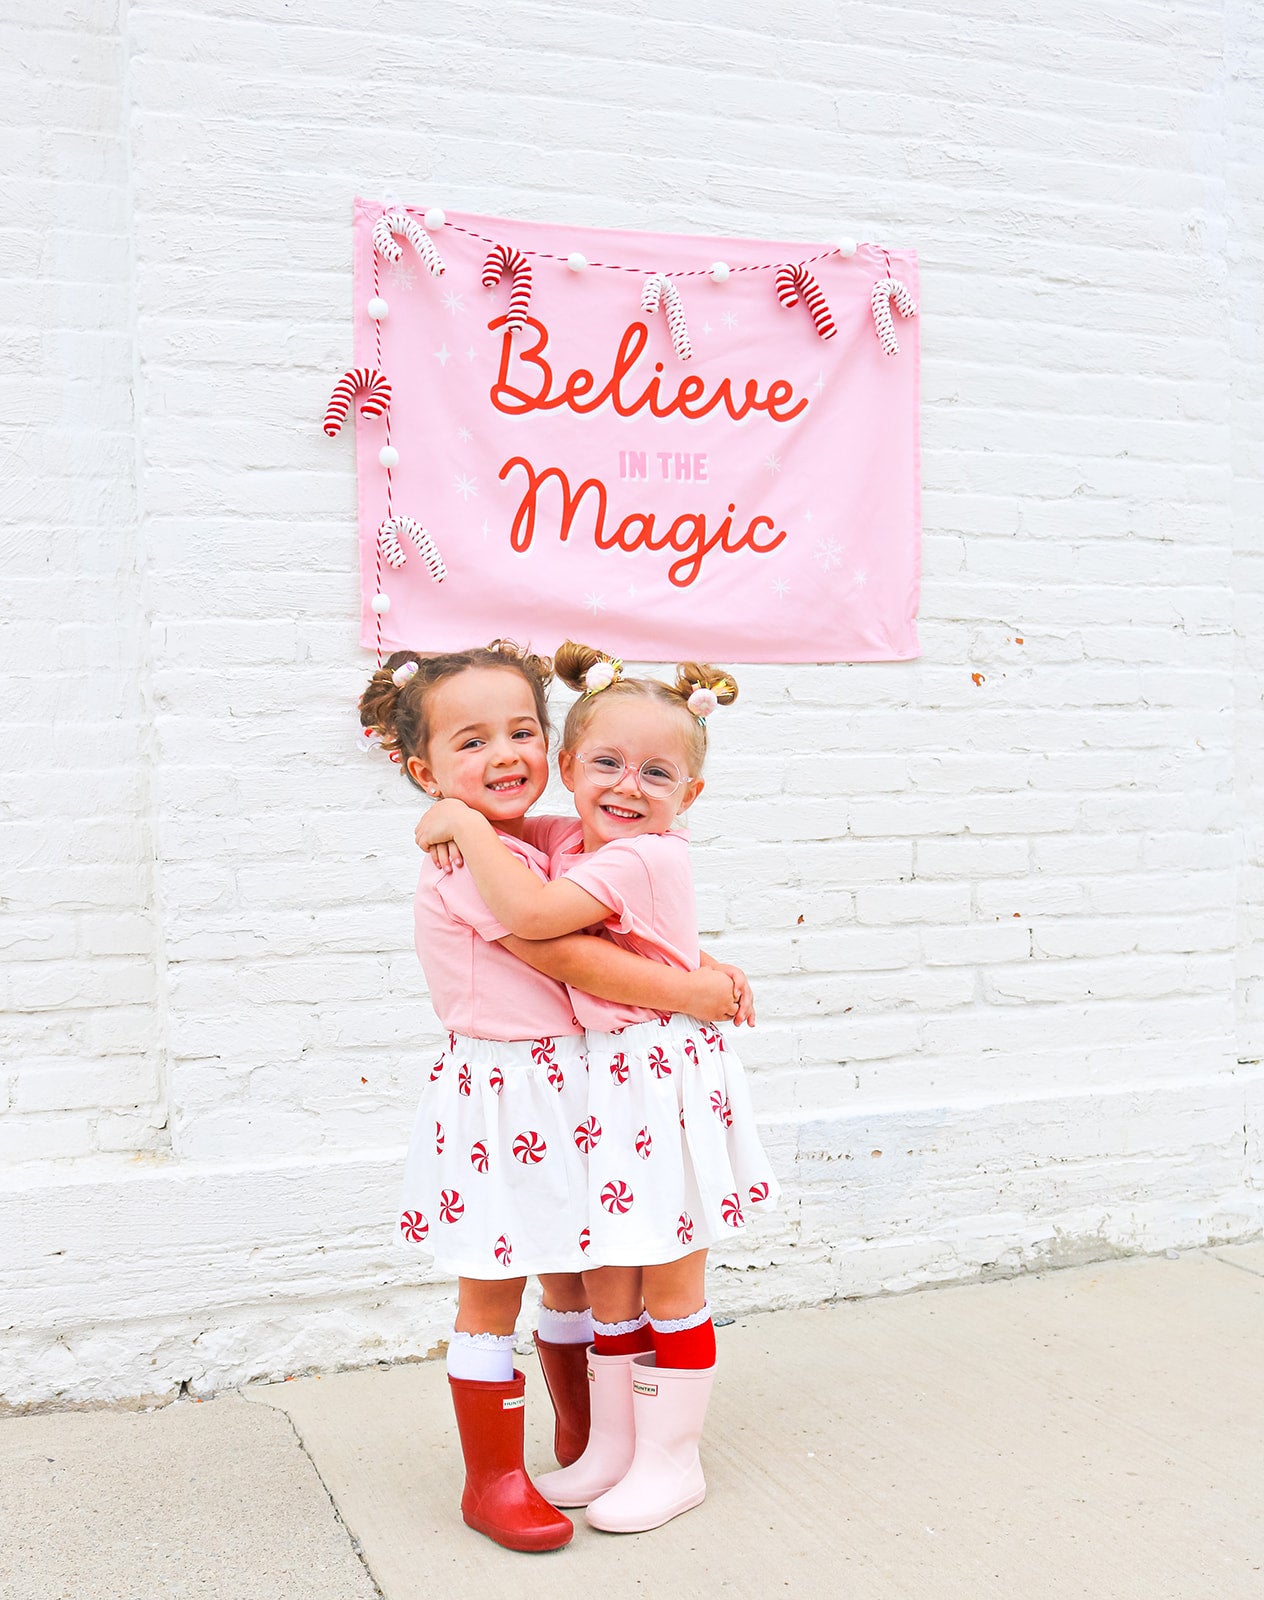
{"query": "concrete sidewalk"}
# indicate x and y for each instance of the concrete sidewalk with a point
(1095, 1433)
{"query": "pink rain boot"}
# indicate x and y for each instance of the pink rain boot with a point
(610, 1436)
(665, 1478)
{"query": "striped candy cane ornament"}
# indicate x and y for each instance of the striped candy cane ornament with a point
(399, 222)
(795, 282)
(884, 291)
(388, 536)
(660, 290)
(367, 381)
(503, 258)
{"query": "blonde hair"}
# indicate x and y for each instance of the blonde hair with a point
(399, 712)
(571, 665)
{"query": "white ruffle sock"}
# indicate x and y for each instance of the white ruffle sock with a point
(481, 1357)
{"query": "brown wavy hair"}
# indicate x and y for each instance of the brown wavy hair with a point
(400, 715)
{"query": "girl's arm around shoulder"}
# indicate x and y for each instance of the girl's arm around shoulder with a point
(524, 903)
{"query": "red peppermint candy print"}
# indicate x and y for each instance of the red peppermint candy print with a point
(530, 1148)
(542, 1050)
(659, 1064)
(478, 1156)
(684, 1228)
(438, 1138)
(691, 1051)
(465, 1078)
(758, 1192)
(555, 1076)
(588, 1135)
(644, 1144)
(682, 1116)
(414, 1226)
(451, 1040)
(731, 1210)
(436, 1069)
(504, 1251)
(664, 1017)
(497, 1079)
(616, 1196)
(712, 1035)
(451, 1206)
(585, 1239)
(619, 1068)
(722, 1109)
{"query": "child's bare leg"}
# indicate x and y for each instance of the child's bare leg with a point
(564, 1291)
(487, 1305)
(620, 1325)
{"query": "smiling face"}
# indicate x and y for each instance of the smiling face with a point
(486, 745)
(642, 731)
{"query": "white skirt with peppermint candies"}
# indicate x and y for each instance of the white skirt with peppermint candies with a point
(674, 1158)
(495, 1183)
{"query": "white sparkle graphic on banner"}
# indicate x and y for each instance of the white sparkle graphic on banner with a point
(780, 588)
(772, 465)
(861, 577)
(829, 554)
(402, 274)
(470, 353)
(464, 435)
(453, 302)
(820, 382)
(595, 603)
(466, 486)
(729, 319)
(486, 529)
(443, 355)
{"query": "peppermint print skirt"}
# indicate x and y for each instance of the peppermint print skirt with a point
(495, 1185)
(674, 1160)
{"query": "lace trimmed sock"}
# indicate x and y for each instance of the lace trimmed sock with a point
(623, 1338)
(481, 1357)
(685, 1342)
(564, 1327)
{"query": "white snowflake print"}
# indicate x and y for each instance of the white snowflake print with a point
(828, 554)
(595, 603)
(464, 435)
(466, 486)
(729, 319)
(780, 588)
(402, 274)
(772, 465)
(860, 577)
(453, 302)
(443, 355)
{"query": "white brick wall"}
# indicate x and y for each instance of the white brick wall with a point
(1004, 906)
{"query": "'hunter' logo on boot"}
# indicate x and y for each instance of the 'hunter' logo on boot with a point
(643, 1388)
(514, 1403)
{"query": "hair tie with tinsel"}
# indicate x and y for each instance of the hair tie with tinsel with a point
(601, 675)
(403, 672)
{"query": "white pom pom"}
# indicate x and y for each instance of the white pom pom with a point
(576, 262)
(599, 676)
(846, 246)
(388, 455)
(720, 272)
(702, 702)
(435, 217)
(381, 603)
(378, 308)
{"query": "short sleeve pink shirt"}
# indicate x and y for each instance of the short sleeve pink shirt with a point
(476, 987)
(648, 885)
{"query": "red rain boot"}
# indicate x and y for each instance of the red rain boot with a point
(565, 1369)
(499, 1499)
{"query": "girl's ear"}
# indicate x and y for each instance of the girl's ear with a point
(689, 794)
(566, 768)
(421, 774)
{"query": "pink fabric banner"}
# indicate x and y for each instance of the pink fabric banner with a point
(689, 472)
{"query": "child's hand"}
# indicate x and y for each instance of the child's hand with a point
(745, 1012)
(436, 833)
(714, 997)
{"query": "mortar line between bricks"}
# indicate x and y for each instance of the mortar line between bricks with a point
(355, 1544)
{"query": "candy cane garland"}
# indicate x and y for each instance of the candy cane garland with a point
(399, 222)
(661, 290)
(794, 281)
(366, 380)
(388, 543)
(884, 291)
(501, 259)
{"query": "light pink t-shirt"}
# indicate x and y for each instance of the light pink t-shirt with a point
(648, 885)
(476, 987)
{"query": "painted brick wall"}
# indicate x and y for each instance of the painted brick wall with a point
(1004, 906)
